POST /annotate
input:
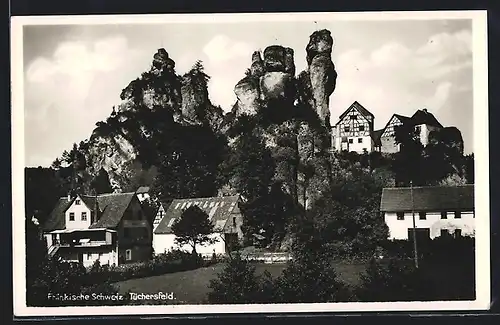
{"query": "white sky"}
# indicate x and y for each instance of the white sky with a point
(74, 74)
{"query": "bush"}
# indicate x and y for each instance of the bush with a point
(170, 262)
(236, 284)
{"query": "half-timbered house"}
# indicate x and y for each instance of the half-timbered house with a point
(354, 130)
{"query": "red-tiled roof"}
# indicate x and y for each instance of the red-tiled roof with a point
(219, 210)
(111, 209)
(430, 198)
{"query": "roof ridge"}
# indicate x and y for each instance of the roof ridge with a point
(208, 197)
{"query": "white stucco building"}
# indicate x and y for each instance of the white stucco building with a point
(223, 212)
(438, 210)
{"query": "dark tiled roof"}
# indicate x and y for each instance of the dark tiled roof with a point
(56, 221)
(376, 137)
(111, 209)
(430, 198)
(142, 189)
(402, 118)
(359, 108)
(218, 209)
(424, 117)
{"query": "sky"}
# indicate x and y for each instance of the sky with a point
(73, 74)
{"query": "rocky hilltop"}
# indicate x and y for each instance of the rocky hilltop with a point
(272, 77)
(122, 145)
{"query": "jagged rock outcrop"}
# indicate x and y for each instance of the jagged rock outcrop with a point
(321, 71)
(111, 153)
(270, 78)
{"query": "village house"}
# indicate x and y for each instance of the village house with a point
(223, 212)
(422, 121)
(111, 228)
(438, 210)
(142, 193)
(355, 130)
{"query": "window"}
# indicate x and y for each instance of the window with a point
(346, 129)
(361, 127)
(458, 215)
(400, 215)
(422, 216)
(417, 129)
(89, 256)
(444, 215)
(360, 140)
(444, 232)
(344, 139)
(71, 216)
(84, 216)
(128, 254)
(457, 233)
(77, 202)
(353, 117)
(351, 141)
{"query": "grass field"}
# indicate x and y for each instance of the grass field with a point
(191, 287)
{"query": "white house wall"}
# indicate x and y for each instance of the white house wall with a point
(398, 229)
(166, 242)
(77, 210)
(106, 256)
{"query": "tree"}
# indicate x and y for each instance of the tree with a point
(101, 184)
(348, 216)
(235, 284)
(309, 277)
(193, 228)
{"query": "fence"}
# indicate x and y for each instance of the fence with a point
(268, 258)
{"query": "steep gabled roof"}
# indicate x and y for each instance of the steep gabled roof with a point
(357, 106)
(56, 220)
(111, 209)
(142, 189)
(376, 137)
(424, 117)
(428, 198)
(219, 210)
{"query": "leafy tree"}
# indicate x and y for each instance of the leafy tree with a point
(348, 215)
(395, 280)
(236, 283)
(193, 228)
(309, 277)
(101, 184)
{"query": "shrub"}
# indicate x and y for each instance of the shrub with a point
(236, 284)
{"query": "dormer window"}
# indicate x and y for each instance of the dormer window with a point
(77, 202)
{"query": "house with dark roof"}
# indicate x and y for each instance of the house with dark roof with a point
(354, 130)
(223, 212)
(423, 122)
(437, 211)
(111, 228)
(142, 193)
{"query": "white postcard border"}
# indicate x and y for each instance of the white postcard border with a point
(481, 153)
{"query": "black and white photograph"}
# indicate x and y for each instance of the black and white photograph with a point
(232, 163)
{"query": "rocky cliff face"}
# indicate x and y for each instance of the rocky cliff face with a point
(321, 71)
(160, 88)
(271, 78)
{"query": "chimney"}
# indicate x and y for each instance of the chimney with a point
(425, 110)
(69, 196)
